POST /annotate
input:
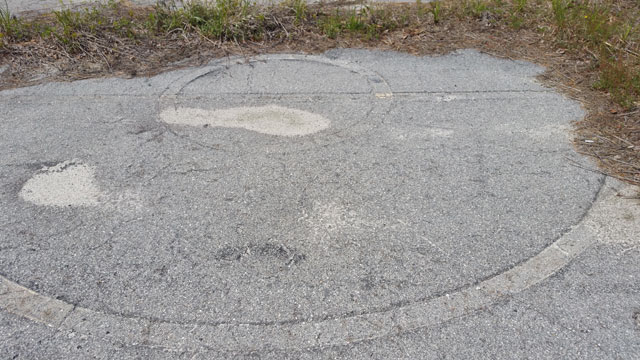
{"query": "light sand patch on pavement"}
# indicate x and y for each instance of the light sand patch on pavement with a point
(68, 183)
(616, 220)
(270, 119)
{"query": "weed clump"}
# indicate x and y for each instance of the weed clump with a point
(12, 29)
(225, 20)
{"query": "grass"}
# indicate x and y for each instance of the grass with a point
(11, 28)
(516, 20)
(592, 47)
(225, 20)
(436, 11)
(560, 9)
(475, 8)
(299, 8)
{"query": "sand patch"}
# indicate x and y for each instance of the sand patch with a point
(616, 219)
(66, 184)
(270, 119)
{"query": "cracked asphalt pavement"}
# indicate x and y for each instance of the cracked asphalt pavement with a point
(354, 204)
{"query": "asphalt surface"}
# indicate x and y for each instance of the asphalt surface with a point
(354, 204)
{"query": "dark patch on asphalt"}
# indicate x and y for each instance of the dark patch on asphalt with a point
(43, 164)
(142, 128)
(287, 255)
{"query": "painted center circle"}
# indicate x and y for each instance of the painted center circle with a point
(285, 190)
